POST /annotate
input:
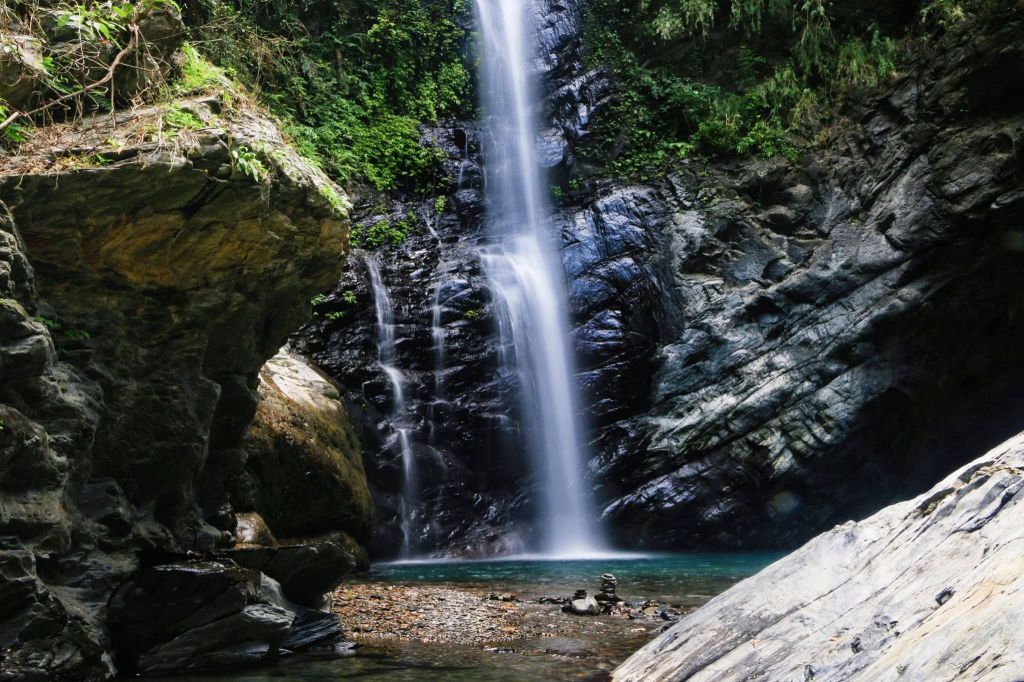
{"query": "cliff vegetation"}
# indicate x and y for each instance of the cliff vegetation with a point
(718, 78)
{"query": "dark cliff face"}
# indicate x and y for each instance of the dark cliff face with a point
(844, 330)
(763, 348)
(474, 488)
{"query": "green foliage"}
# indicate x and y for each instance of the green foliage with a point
(472, 314)
(683, 18)
(335, 200)
(721, 78)
(349, 297)
(248, 163)
(197, 74)
(178, 118)
(440, 204)
(865, 63)
(52, 325)
(382, 232)
(12, 134)
(318, 299)
(352, 81)
(949, 13)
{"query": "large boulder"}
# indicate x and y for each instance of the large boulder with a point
(929, 589)
(208, 615)
(21, 68)
(301, 446)
(174, 272)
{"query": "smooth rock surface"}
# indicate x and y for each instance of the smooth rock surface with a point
(929, 589)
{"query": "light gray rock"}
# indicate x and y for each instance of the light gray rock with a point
(586, 606)
(929, 589)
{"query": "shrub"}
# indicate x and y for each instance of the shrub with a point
(720, 78)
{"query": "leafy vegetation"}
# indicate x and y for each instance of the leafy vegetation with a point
(178, 118)
(717, 77)
(197, 74)
(248, 163)
(352, 81)
(382, 233)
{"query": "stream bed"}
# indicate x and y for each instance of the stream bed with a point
(481, 621)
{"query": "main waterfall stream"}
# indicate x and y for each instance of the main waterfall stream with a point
(526, 274)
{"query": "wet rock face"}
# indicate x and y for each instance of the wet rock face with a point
(842, 332)
(763, 350)
(459, 412)
(474, 491)
(845, 607)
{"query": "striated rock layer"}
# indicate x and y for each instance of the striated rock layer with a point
(929, 589)
(841, 331)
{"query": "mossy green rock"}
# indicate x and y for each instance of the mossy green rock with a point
(301, 446)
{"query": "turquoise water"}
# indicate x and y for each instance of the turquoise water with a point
(684, 579)
(687, 580)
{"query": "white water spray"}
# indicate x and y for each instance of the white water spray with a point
(526, 274)
(386, 358)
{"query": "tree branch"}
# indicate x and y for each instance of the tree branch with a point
(130, 47)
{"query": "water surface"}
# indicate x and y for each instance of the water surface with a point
(687, 580)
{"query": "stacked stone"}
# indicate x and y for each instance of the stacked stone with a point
(608, 585)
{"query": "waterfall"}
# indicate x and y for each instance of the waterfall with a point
(386, 358)
(526, 275)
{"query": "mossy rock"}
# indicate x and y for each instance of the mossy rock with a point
(305, 472)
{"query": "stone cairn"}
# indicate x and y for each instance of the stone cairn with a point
(608, 585)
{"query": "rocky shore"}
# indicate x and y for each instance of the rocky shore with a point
(502, 623)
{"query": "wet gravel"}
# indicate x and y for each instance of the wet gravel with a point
(503, 621)
(426, 614)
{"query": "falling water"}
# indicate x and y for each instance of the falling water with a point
(386, 358)
(525, 272)
(437, 336)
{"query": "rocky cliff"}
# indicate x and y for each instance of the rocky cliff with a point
(842, 330)
(153, 261)
(928, 589)
(461, 414)
(765, 348)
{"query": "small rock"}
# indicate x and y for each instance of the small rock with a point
(587, 606)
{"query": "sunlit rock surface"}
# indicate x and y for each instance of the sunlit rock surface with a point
(929, 589)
